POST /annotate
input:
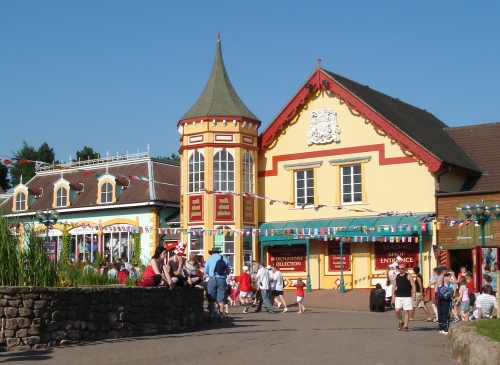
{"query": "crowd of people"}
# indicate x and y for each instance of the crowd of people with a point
(454, 296)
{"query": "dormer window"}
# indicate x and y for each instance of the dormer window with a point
(62, 197)
(20, 201)
(106, 193)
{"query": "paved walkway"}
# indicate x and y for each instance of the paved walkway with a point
(337, 328)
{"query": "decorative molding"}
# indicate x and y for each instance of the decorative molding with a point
(343, 161)
(380, 148)
(195, 139)
(323, 127)
(223, 138)
(291, 109)
(295, 166)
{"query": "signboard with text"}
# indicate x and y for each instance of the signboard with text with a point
(334, 256)
(196, 208)
(248, 211)
(224, 208)
(288, 258)
(386, 253)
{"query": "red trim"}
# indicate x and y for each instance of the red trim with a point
(207, 119)
(221, 145)
(352, 102)
(380, 148)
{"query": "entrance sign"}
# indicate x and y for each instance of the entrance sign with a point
(288, 258)
(386, 253)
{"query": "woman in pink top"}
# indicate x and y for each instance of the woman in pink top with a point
(463, 299)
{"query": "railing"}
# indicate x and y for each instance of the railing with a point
(76, 164)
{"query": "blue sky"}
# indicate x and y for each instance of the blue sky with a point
(118, 75)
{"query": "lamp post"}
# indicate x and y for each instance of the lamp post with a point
(47, 218)
(483, 213)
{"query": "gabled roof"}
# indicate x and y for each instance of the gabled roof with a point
(137, 192)
(480, 141)
(414, 129)
(219, 99)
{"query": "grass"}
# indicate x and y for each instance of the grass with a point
(489, 328)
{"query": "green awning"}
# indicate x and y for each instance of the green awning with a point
(359, 227)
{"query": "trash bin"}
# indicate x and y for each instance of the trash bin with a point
(377, 300)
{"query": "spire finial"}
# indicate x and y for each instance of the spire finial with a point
(218, 36)
(319, 62)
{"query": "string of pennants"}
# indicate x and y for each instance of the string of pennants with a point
(10, 161)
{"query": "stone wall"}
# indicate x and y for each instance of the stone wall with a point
(39, 317)
(467, 346)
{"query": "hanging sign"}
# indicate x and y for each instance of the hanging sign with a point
(195, 208)
(386, 253)
(334, 256)
(248, 210)
(224, 210)
(288, 258)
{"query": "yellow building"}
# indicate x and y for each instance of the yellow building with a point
(344, 179)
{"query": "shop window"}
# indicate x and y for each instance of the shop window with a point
(223, 171)
(225, 242)
(248, 173)
(196, 175)
(197, 243)
(351, 184)
(106, 193)
(20, 201)
(62, 197)
(304, 187)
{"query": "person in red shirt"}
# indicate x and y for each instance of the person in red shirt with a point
(300, 295)
(245, 288)
(123, 274)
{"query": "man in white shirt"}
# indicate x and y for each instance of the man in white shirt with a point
(263, 281)
(278, 290)
(485, 302)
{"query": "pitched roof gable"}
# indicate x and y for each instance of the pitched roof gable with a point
(219, 99)
(479, 141)
(414, 129)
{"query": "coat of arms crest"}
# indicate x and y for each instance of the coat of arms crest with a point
(324, 127)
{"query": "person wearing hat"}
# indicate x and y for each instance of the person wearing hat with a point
(263, 281)
(444, 305)
(216, 288)
(176, 265)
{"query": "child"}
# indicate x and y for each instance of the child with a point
(463, 299)
(300, 295)
(235, 292)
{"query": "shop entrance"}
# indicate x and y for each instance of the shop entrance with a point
(459, 258)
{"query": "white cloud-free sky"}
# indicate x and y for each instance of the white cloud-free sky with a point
(118, 75)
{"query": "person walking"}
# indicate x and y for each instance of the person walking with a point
(263, 281)
(278, 290)
(444, 304)
(216, 288)
(245, 287)
(403, 291)
(300, 295)
(419, 296)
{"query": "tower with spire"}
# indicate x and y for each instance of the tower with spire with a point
(218, 148)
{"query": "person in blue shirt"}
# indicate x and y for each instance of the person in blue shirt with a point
(216, 288)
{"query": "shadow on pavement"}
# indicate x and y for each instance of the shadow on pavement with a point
(25, 356)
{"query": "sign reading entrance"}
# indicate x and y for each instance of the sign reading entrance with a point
(386, 253)
(224, 208)
(196, 208)
(334, 256)
(288, 258)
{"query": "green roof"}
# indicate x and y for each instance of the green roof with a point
(219, 99)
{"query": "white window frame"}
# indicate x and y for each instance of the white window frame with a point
(198, 238)
(60, 197)
(227, 244)
(106, 193)
(248, 173)
(354, 187)
(301, 195)
(21, 201)
(223, 171)
(196, 172)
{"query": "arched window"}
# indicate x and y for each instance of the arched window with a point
(106, 193)
(248, 166)
(62, 197)
(225, 241)
(196, 174)
(21, 201)
(223, 171)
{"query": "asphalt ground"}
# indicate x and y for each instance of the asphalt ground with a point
(336, 328)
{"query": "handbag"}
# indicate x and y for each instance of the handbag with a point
(444, 292)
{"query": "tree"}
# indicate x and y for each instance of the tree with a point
(87, 153)
(27, 170)
(173, 157)
(4, 179)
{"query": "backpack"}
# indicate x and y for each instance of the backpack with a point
(444, 292)
(221, 267)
